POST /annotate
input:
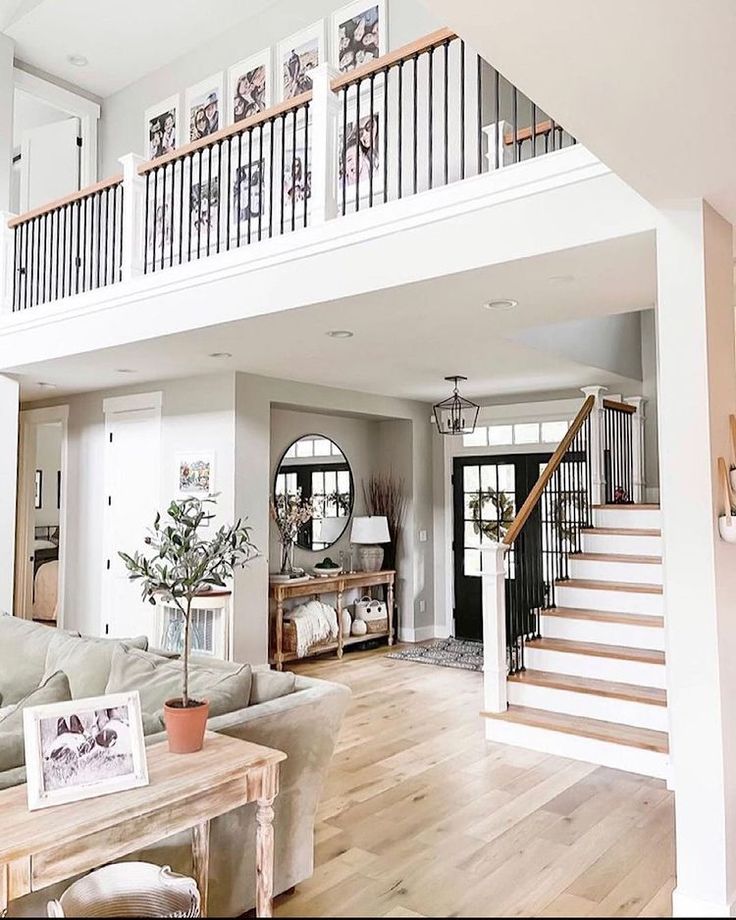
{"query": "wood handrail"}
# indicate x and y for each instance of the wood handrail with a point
(67, 199)
(544, 477)
(619, 406)
(266, 115)
(525, 134)
(406, 52)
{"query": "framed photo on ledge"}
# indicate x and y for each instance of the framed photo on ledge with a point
(204, 108)
(296, 56)
(161, 128)
(80, 749)
(359, 34)
(249, 87)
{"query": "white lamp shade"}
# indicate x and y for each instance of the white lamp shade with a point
(370, 530)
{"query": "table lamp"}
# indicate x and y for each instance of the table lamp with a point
(368, 533)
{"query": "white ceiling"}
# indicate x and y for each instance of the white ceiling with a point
(647, 85)
(406, 339)
(122, 41)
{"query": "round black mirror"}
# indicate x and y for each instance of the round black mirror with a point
(315, 468)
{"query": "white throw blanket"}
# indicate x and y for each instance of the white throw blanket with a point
(314, 622)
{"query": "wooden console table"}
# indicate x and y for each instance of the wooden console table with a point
(337, 585)
(40, 848)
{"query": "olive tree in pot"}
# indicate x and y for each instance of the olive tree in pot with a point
(180, 565)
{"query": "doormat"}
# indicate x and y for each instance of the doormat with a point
(447, 653)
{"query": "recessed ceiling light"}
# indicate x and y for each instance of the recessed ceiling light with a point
(562, 279)
(77, 60)
(220, 354)
(47, 386)
(126, 370)
(340, 334)
(501, 304)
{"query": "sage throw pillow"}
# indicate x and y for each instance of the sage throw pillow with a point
(53, 689)
(270, 685)
(86, 661)
(23, 648)
(159, 679)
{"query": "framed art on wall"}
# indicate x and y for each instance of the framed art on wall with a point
(161, 123)
(296, 56)
(204, 107)
(79, 749)
(249, 87)
(195, 472)
(359, 34)
(249, 196)
(360, 153)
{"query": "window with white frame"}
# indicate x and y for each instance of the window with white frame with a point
(517, 433)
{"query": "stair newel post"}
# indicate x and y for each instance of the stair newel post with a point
(637, 448)
(323, 155)
(596, 446)
(7, 263)
(134, 231)
(494, 627)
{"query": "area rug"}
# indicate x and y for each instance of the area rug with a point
(447, 653)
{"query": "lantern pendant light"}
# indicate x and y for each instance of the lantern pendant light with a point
(456, 415)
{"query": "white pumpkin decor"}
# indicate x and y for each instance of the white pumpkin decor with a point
(360, 627)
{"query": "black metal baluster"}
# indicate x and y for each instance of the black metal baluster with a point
(272, 140)
(24, 270)
(430, 117)
(307, 177)
(371, 160)
(553, 134)
(16, 270)
(172, 212)
(210, 196)
(182, 164)
(154, 217)
(414, 121)
(515, 121)
(33, 280)
(462, 108)
(344, 148)
(63, 263)
(358, 146)
(229, 180)
(114, 224)
(385, 134)
(447, 113)
(239, 183)
(534, 130)
(199, 206)
(98, 196)
(479, 113)
(146, 226)
(400, 121)
(107, 232)
(261, 168)
(293, 170)
(283, 172)
(219, 194)
(44, 263)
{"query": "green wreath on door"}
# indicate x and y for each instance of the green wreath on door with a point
(505, 514)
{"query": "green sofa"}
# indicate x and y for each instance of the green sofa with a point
(297, 715)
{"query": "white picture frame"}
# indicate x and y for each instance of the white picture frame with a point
(255, 100)
(364, 189)
(308, 45)
(198, 100)
(195, 473)
(347, 52)
(81, 749)
(250, 210)
(170, 138)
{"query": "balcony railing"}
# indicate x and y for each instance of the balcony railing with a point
(428, 114)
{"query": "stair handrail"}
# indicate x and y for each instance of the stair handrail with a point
(535, 495)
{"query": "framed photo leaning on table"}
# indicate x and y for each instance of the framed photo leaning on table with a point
(79, 749)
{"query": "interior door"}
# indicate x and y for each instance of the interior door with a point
(49, 161)
(487, 492)
(131, 501)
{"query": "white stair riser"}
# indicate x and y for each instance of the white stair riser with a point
(602, 633)
(617, 756)
(623, 517)
(601, 599)
(640, 573)
(622, 543)
(624, 712)
(619, 669)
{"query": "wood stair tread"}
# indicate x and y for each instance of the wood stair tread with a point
(605, 616)
(644, 738)
(591, 584)
(617, 557)
(598, 650)
(644, 506)
(590, 685)
(624, 531)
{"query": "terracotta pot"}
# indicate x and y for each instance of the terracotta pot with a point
(185, 727)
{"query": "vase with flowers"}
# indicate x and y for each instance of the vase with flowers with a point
(290, 512)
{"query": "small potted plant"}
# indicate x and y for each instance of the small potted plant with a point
(181, 565)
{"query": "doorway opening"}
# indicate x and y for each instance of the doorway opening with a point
(41, 524)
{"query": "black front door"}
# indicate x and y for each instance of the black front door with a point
(487, 492)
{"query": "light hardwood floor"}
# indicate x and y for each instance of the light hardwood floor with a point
(422, 817)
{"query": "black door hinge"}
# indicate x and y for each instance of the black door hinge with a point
(79, 142)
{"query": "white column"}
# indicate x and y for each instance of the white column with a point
(323, 142)
(9, 409)
(697, 390)
(134, 202)
(6, 119)
(597, 467)
(494, 628)
(7, 265)
(637, 448)
(495, 134)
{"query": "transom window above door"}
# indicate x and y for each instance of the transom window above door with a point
(510, 434)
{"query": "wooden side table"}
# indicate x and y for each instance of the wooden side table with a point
(186, 791)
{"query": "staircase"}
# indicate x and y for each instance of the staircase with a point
(593, 687)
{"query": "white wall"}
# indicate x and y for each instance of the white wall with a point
(195, 415)
(48, 460)
(122, 128)
(9, 477)
(6, 119)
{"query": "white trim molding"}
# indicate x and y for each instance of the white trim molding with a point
(132, 402)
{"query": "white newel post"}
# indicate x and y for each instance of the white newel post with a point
(494, 628)
(597, 468)
(495, 134)
(7, 266)
(323, 155)
(134, 193)
(637, 447)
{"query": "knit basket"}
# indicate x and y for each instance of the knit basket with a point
(129, 889)
(288, 640)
